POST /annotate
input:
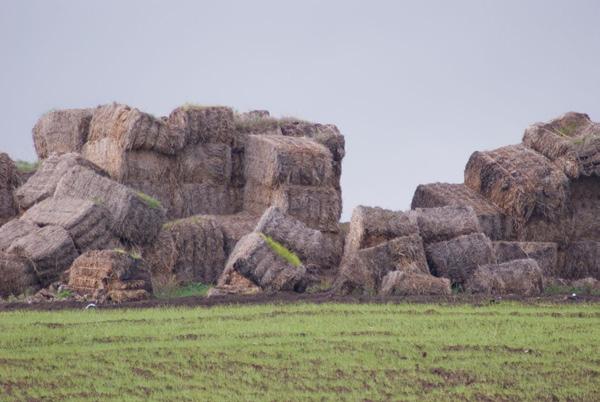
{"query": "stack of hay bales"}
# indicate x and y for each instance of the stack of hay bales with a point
(9, 181)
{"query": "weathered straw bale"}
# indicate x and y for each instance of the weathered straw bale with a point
(50, 250)
(522, 277)
(43, 183)
(457, 258)
(588, 283)
(326, 134)
(234, 284)
(61, 131)
(208, 198)
(234, 227)
(585, 204)
(254, 259)
(130, 129)
(371, 226)
(136, 218)
(274, 160)
(110, 274)
(544, 253)
(520, 181)
(203, 124)
(9, 181)
(364, 270)
(89, 224)
(13, 230)
(8, 206)
(571, 141)
(411, 282)
(16, 275)
(312, 246)
(582, 259)
(444, 223)
(205, 163)
(493, 222)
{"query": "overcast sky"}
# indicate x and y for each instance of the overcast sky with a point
(415, 86)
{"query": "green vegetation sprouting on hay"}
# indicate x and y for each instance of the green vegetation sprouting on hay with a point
(136, 255)
(282, 251)
(192, 289)
(504, 351)
(64, 294)
(27, 167)
(149, 200)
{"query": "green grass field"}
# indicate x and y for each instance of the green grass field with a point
(505, 351)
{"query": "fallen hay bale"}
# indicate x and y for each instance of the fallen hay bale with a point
(413, 283)
(364, 270)
(61, 131)
(582, 259)
(136, 217)
(49, 249)
(13, 230)
(457, 259)
(544, 253)
(444, 223)
(203, 124)
(88, 223)
(16, 275)
(113, 275)
(493, 222)
(192, 249)
(259, 260)
(571, 141)
(523, 183)
(522, 277)
(234, 284)
(43, 183)
(312, 246)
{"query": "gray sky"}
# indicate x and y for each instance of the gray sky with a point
(414, 86)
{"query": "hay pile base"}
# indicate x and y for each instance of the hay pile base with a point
(544, 253)
(412, 282)
(522, 277)
(582, 259)
(61, 131)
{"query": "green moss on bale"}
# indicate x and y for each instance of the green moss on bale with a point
(149, 201)
(282, 251)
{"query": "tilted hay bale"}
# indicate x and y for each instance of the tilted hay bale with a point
(203, 124)
(205, 163)
(493, 222)
(61, 131)
(16, 275)
(410, 282)
(199, 247)
(444, 223)
(274, 160)
(257, 261)
(522, 277)
(130, 129)
(312, 246)
(544, 253)
(571, 141)
(89, 224)
(49, 249)
(364, 270)
(582, 259)
(43, 183)
(136, 217)
(208, 198)
(110, 274)
(13, 230)
(456, 259)
(520, 181)
(371, 226)
(256, 197)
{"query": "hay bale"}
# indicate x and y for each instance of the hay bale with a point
(9, 175)
(371, 226)
(127, 129)
(43, 183)
(363, 271)
(523, 183)
(313, 247)
(234, 284)
(326, 134)
(234, 227)
(275, 160)
(110, 274)
(136, 217)
(571, 141)
(16, 275)
(61, 131)
(161, 256)
(50, 250)
(89, 224)
(493, 222)
(413, 283)
(208, 198)
(8, 206)
(205, 163)
(544, 253)
(203, 124)
(582, 259)
(257, 261)
(522, 277)
(585, 204)
(456, 259)
(444, 223)
(589, 284)
(13, 230)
